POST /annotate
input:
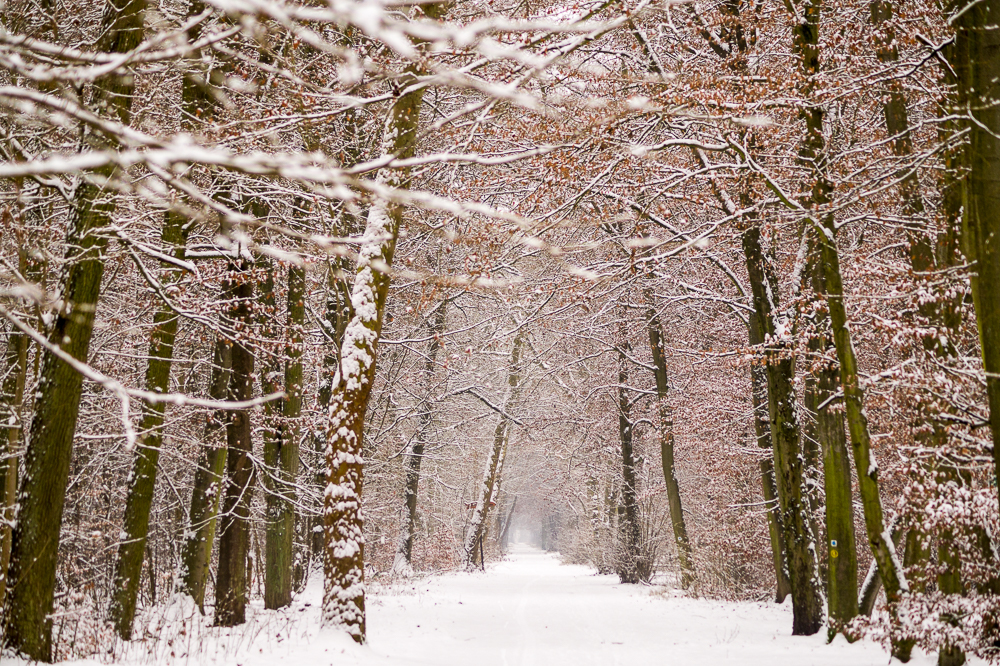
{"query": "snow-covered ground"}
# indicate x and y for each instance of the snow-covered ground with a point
(529, 609)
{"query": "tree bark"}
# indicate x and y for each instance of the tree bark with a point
(879, 538)
(343, 566)
(769, 489)
(403, 561)
(494, 463)
(926, 256)
(803, 574)
(16, 367)
(197, 549)
(281, 457)
(231, 585)
(128, 567)
(338, 314)
(821, 400)
(821, 390)
(666, 427)
(35, 542)
(976, 61)
(630, 563)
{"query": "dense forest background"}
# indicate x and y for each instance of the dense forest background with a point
(699, 292)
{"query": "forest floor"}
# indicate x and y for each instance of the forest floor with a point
(528, 609)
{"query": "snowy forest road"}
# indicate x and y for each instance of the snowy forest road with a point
(528, 610)
(532, 610)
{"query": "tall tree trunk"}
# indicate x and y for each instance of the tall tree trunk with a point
(769, 489)
(292, 407)
(821, 400)
(821, 390)
(882, 546)
(403, 561)
(629, 564)
(976, 61)
(32, 572)
(666, 427)
(11, 399)
(491, 473)
(281, 457)
(142, 481)
(197, 549)
(926, 256)
(759, 379)
(338, 314)
(343, 525)
(15, 376)
(803, 574)
(234, 537)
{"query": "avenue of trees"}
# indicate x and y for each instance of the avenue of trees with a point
(704, 293)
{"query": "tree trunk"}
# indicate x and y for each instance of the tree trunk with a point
(666, 426)
(491, 474)
(15, 375)
(403, 560)
(281, 457)
(338, 314)
(35, 542)
(842, 578)
(925, 257)
(197, 549)
(867, 471)
(234, 537)
(343, 526)
(630, 565)
(976, 61)
(803, 574)
(769, 489)
(128, 568)
(11, 399)
(821, 400)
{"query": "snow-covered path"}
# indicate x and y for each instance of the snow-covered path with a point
(527, 610)
(532, 610)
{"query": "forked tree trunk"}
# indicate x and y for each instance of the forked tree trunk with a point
(803, 573)
(403, 561)
(32, 572)
(666, 428)
(231, 584)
